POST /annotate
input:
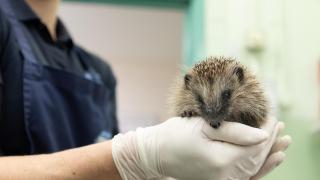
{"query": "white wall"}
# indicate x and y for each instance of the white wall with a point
(143, 45)
(291, 38)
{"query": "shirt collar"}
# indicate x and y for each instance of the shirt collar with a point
(63, 34)
(22, 10)
(24, 13)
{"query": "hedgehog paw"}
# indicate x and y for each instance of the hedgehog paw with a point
(188, 114)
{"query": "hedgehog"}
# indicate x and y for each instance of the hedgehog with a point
(220, 89)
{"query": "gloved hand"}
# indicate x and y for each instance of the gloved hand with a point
(190, 149)
(276, 155)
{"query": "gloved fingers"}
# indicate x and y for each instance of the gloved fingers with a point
(272, 128)
(271, 125)
(281, 144)
(273, 161)
(281, 127)
(276, 155)
(262, 150)
(235, 133)
(259, 153)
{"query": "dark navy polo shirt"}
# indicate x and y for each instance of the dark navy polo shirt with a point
(61, 54)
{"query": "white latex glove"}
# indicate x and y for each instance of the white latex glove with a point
(188, 148)
(276, 155)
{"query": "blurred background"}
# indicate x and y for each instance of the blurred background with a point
(148, 42)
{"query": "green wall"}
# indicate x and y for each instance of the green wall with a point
(303, 156)
(194, 36)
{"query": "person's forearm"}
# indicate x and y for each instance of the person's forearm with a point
(89, 162)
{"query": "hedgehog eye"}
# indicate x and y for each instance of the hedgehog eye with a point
(226, 95)
(199, 99)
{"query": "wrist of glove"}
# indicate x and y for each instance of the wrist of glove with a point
(130, 157)
(190, 149)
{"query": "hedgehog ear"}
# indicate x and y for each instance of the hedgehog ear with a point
(187, 79)
(238, 71)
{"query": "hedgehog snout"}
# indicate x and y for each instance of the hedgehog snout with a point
(212, 111)
(213, 119)
(215, 123)
(209, 110)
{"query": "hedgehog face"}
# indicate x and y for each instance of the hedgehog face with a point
(214, 92)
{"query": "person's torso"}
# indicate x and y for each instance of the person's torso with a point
(60, 55)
